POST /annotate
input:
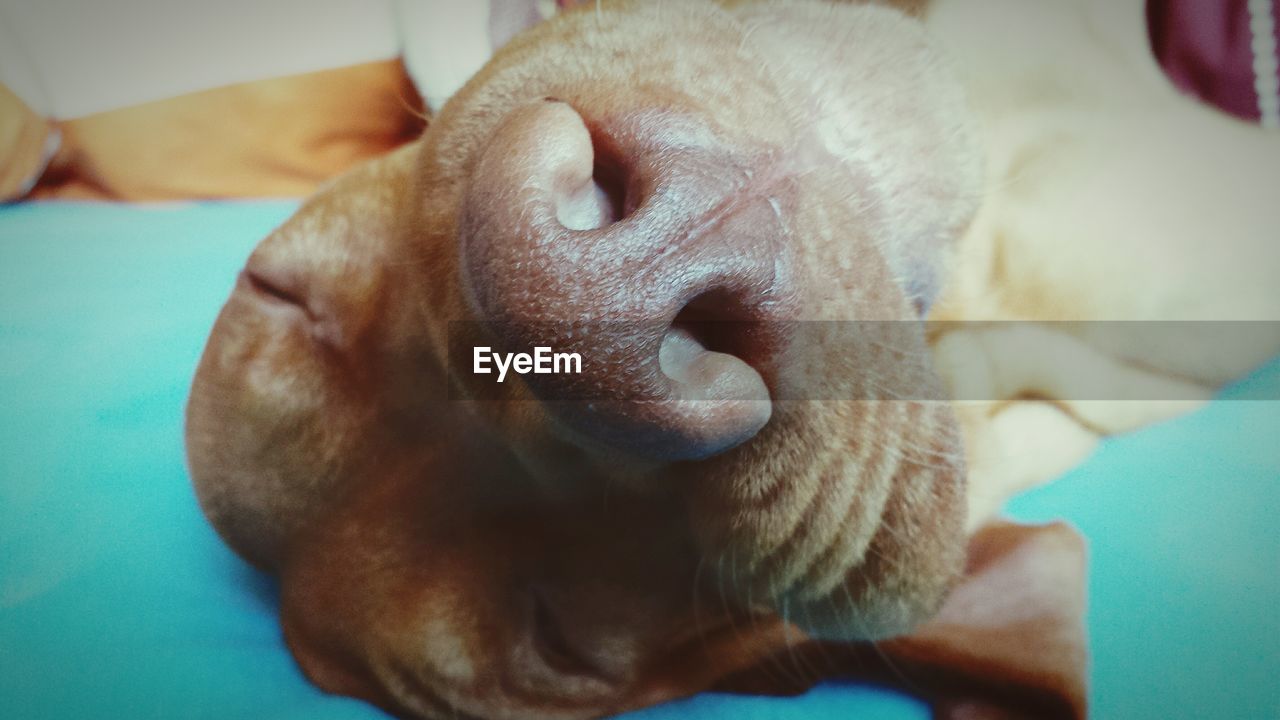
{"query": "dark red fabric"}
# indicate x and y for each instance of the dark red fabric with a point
(1205, 46)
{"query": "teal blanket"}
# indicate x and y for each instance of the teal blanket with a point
(118, 601)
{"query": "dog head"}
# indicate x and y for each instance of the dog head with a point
(700, 200)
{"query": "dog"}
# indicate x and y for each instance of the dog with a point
(614, 183)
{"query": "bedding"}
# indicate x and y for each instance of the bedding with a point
(117, 599)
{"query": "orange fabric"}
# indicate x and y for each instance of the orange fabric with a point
(268, 138)
(22, 144)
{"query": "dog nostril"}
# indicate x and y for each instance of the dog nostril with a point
(720, 323)
(595, 203)
(714, 324)
(709, 356)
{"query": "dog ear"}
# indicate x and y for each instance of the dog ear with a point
(1008, 643)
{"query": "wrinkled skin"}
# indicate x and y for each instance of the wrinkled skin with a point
(518, 557)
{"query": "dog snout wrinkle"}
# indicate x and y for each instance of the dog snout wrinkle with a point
(593, 231)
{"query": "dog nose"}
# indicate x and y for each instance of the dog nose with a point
(650, 244)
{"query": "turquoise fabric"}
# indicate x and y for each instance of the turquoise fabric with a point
(118, 601)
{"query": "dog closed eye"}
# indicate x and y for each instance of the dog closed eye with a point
(273, 290)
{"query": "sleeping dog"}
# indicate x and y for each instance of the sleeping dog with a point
(679, 193)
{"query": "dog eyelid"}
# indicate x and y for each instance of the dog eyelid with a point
(273, 291)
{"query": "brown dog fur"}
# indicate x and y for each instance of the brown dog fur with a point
(508, 558)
